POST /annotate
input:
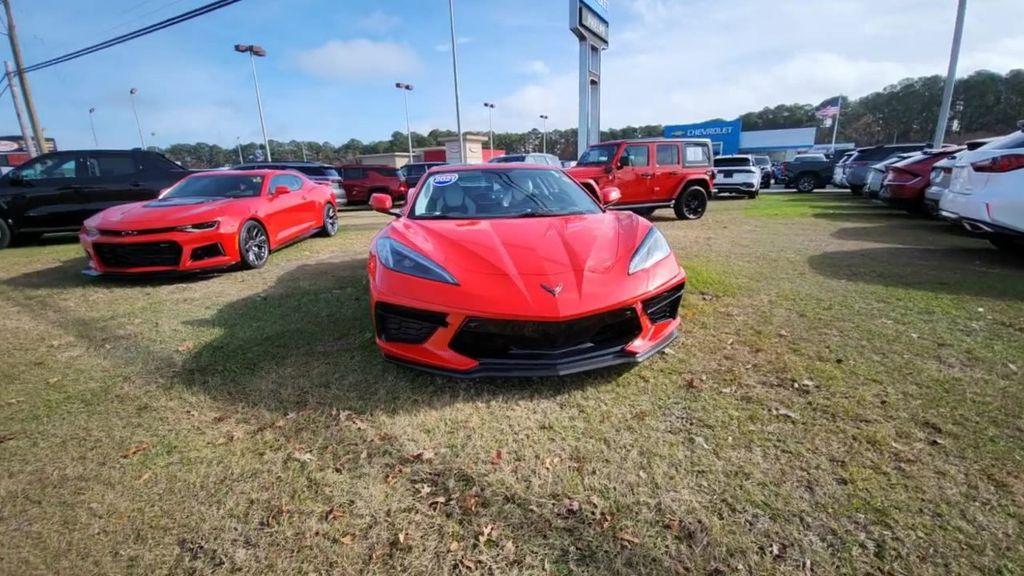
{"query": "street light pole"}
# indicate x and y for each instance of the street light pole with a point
(455, 74)
(255, 51)
(238, 144)
(138, 124)
(490, 123)
(544, 138)
(947, 92)
(92, 125)
(406, 88)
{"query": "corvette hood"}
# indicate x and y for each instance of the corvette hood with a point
(524, 246)
(542, 268)
(161, 213)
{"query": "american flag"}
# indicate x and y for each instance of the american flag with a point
(829, 108)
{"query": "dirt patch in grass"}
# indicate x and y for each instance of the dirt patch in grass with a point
(845, 398)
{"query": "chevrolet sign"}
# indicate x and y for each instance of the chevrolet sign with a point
(593, 22)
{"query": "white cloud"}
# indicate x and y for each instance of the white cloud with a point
(447, 46)
(378, 21)
(359, 59)
(672, 61)
(536, 67)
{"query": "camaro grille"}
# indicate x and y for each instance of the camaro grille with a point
(664, 306)
(141, 255)
(487, 339)
(406, 325)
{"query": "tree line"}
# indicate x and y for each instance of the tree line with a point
(984, 104)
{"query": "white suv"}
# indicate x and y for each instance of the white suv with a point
(737, 175)
(986, 191)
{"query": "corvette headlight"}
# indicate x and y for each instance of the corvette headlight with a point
(202, 227)
(398, 257)
(91, 232)
(652, 250)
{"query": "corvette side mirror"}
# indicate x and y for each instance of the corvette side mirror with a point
(278, 190)
(610, 195)
(382, 203)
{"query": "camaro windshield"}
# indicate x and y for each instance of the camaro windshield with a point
(511, 193)
(216, 186)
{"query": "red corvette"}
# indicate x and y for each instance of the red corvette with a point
(209, 221)
(515, 270)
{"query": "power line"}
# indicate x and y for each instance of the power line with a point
(167, 23)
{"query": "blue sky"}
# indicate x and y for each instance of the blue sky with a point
(332, 64)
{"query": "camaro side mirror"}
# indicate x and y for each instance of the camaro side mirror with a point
(278, 190)
(610, 195)
(382, 203)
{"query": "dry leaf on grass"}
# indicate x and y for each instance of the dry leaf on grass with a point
(347, 539)
(421, 456)
(570, 507)
(469, 501)
(627, 538)
(497, 457)
(136, 449)
(394, 475)
(7, 437)
(302, 456)
(485, 534)
(454, 546)
(186, 346)
(333, 513)
(780, 411)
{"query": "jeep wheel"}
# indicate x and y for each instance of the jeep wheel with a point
(856, 190)
(691, 204)
(5, 235)
(806, 183)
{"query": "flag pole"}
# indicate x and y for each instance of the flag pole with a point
(835, 127)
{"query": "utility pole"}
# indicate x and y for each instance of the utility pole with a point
(490, 123)
(255, 51)
(835, 127)
(12, 35)
(544, 137)
(406, 88)
(92, 125)
(238, 144)
(302, 146)
(455, 74)
(947, 92)
(12, 84)
(138, 123)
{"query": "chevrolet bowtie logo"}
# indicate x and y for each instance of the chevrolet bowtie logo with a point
(554, 291)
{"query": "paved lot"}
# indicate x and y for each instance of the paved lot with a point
(845, 398)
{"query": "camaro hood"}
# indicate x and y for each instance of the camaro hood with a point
(528, 267)
(160, 213)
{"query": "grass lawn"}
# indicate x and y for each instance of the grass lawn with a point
(845, 398)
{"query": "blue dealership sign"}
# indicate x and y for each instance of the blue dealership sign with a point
(724, 134)
(600, 7)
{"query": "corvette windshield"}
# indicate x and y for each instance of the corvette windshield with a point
(511, 193)
(216, 186)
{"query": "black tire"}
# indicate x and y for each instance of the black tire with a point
(856, 190)
(691, 203)
(253, 245)
(645, 212)
(330, 224)
(806, 183)
(5, 235)
(753, 194)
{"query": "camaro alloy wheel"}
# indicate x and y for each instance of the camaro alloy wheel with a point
(330, 227)
(254, 245)
(692, 204)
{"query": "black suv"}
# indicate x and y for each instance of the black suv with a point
(316, 172)
(412, 172)
(56, 192)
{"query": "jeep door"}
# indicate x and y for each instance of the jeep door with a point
(668, 171)
(634, 174)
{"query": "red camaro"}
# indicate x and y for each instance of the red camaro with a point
(209, 221)
(515, 270)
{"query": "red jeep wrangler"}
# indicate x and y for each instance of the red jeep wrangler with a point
(651, 173)
(364, 180)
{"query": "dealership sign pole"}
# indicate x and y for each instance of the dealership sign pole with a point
(588, 20)
(947, 92)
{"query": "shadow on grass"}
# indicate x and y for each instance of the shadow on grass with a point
(981, 272)
(903, 232)
(68, 274)
(308, 341)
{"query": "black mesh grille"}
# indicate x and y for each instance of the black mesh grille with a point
(485, 339)
(407, 325)
(140, 255)
(206, 252)
(664, 306)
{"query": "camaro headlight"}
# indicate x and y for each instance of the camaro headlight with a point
(398, 257)
(201, 227)
(652, 250)
(91, 232)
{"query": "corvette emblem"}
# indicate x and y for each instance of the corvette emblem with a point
(554, 291)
